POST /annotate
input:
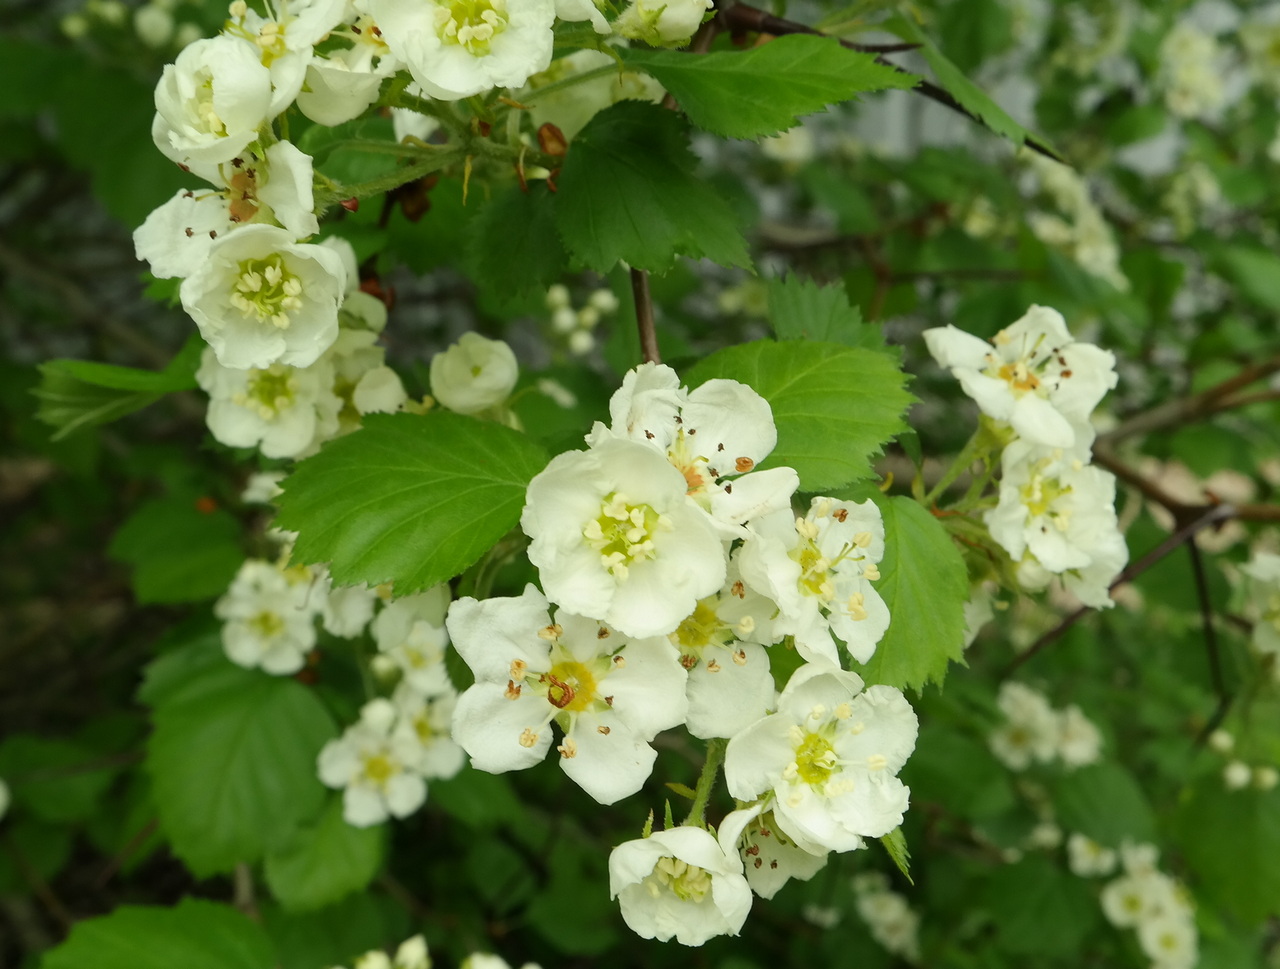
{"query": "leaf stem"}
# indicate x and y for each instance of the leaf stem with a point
(706, 782)
(644, 315)
(972, 450)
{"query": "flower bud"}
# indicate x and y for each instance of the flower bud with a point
(474, 374)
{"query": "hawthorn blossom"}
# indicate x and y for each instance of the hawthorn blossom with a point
(260, 298)
(662, 23)
(474, 375)
(410, 634)
(890, 918)
(609, 693)
(829, 757)
(616, 537)
(455, 50)
(268, 616)
(283, 411)
(1059, 514)
(770, 858)
(1032, 375)
(341, 83)
(1087, 858)
(1031, 728)
(1263, 607)
(426, 720)
(819, 570)
(682, 882)
(211, 103)
(714, 436)
(411, 954)
(285, 39)
(376, 765)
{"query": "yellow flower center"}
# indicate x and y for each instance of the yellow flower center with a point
(687, 882)
(267, 291)
(623, 533)
(471, 24)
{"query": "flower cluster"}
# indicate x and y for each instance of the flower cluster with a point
(1263, 608)
(413, 954)
(892, 922)
(670, 565)
(383, 762)
(1034, 731)
(1150, 902)
(1056, 512)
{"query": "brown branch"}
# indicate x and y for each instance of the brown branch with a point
(644, 315)
(1182, 511)
(1197, 407)
(741, 18)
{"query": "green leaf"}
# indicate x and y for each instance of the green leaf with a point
(766, 89)
(801, 309)
(325, 861)
(895, 842)
(1039, 909)
(56, 780)
(233, 766)
(1104, 802)
(80, 393)
(334, 935)
(194, 935)
(967, 94)
(179, 552)
(514, 244)
(924, 582)
(410, 499)
(628, 192)
(835, 407)
(1255, 271)
(1231, 840)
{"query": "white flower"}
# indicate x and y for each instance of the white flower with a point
(1079, 740)
(681, 882)
(425, 721)
(1265, 777)
(1236, 775)
(361, 379)
(662, 23)
(410, 631)
(412, 954)
(1141, 896)
(573, 10)
(455, 50)
(892, 922)
(770, 858)
(609, 694)
(1191, 72)
(485, 960)
(347, 609)
(284, 411)
(830, 757)
(268, 617)
(285, 40)
(718, 432)
(570, 108)
(1031, 728)
(1033, 375)
(616, 538)
(262, 488)
(819, 570)
(376, 765)
(274, 185)
(1060, 512)
(1170, 941)
(1087, 858)
(730, 686)
(210, 103)
(341, 84)
(260, 298)
(473, 375)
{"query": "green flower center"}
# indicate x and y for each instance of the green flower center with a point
(380, 769)
(623, 533)
(701, 628)
(265, 290)
(269, 391)
(268, 625)
(687, 882)
(471, 24)
(1041, 494)
(815, 759)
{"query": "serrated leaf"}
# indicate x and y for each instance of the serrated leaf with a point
(800, 309)
(766, 89)
(628, 192)
(325, 861)
(233, 766)
(924, 582)
(194, 935)
(834, 406)
(514, 244)
(1231, 840)
(410, 499)
(895, 842)
(967, 94)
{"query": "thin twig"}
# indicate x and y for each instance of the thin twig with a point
(741, 17)
(1214, 514)
(644, 315)
(1210, 644)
